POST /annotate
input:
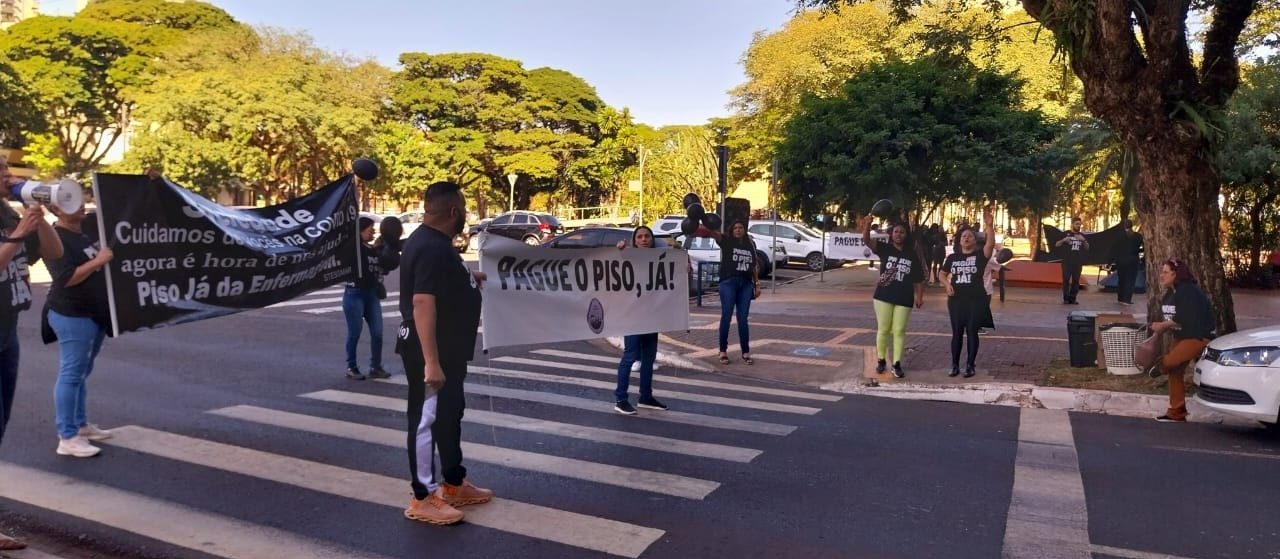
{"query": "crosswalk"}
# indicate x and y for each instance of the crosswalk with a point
(329, 301)
(719, 415)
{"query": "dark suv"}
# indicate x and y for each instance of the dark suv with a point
(530, 227)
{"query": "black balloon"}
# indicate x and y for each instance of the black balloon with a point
(365, 168)
(712, 221)
(695, 212)
(390, 229)
(689, 226)
(1004, 255)
(882, 208)
(690, 199)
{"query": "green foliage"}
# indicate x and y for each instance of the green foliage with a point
(1249, 162)
(1104, 176)
(942, 130)
(20, 113)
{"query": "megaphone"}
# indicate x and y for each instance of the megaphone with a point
(66, 195)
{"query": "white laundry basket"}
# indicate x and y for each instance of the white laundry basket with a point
(1118, 341)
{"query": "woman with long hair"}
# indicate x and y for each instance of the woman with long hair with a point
(966, 299)
(637, 348)
(361, 300)
(739, 284)
(899, 288)
(1188, 315)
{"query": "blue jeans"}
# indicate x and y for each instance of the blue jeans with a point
(359, 306)
(8, 374)
(642, 348)
(735, 293)
(79, 341)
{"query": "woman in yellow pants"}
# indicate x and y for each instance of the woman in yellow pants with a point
(900, 287)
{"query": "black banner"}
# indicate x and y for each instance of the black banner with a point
(180, 257)
(1104, 246)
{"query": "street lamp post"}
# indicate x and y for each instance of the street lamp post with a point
(511, 196)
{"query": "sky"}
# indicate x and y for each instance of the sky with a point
(669, 61)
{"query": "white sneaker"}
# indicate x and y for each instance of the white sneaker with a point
(94, 433)
(635, 366)
(77, 446)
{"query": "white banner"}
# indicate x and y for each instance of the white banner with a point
(536, 295)
(850, 246)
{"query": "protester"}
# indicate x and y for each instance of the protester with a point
(939, 248)
(1189, 315)
(440, 308)
(899, 288)
(739, 284)
(1128, 262)
(1073, 261)
(637, 348)
(361, 300)
(962, 271)
(989, 277)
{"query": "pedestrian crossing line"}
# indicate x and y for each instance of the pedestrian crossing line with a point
(534, 521)
(555, 428)
(328, 291)
(674, 395)
(666, 379)
(301, 302)
(163, 521)
(630, 478)
(601, 406)
(324, 310)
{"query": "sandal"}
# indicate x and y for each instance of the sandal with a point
(748, 360)
(724, 359)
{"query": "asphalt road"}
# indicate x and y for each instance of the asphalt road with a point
(245, 440)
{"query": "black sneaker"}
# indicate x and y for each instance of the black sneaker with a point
(880, 364)
(624, 407)
(897, 370)
(969, 371)
(354, 373)
(377, 372)
(1167, 419)
(1154, 371)
(954, 372)
(651, 403)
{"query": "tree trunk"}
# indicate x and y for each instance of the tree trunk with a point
(1178, 200)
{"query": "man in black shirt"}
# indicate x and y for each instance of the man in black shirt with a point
(440, 306)
(1073, 261)
(1128, 260)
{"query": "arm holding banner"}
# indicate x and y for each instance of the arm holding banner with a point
(87, 269)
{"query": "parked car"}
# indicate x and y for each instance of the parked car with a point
(473, 233)
(667, 224)
(801, 243)
(533, 228)
(413, 219)
(1239, 374)
(707, 251)
(592, 237)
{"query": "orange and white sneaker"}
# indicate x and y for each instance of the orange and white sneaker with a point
(465, 494)
(432, 510)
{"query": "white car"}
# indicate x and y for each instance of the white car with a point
(799, 241)
(1239, 375)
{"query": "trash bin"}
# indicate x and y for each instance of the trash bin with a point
(1084, 350)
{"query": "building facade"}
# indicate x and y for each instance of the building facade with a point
(13, 11)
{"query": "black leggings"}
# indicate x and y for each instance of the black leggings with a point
(966, 317)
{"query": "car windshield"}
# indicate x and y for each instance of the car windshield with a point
(807, 231)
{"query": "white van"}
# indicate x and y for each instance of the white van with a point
(801, 243)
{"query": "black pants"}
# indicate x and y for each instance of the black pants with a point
(1128, 278)
(8, 373)
(966, 317)
(1070, 281)
(435, 418)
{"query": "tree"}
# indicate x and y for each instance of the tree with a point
(1250, 162)
(20, 114)
(1140, 76)
(682, 159)
(942, 130)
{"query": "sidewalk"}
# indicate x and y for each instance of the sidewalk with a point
(820, 331)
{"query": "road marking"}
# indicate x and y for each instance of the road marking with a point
(323, 310)
(686, 396)
(1221, 452)
(1048, 517)
(163, 521)
(569, 528)
(1130, 553)
(300, 302)
(568, 430)
(631, 478)
(665, 378)
(586, 404)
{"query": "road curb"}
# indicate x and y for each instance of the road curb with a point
(1026, 396)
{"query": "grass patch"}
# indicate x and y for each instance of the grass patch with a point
(1060, 374)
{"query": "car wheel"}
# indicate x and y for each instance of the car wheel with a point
(531, 241)
(815, 261)
(766, 266)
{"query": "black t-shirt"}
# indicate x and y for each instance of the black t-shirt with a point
(1130, 250)
(15, 285)
(1188, 306)
(1075, 247)
(737, 257)
(87, 298)
(966, 273)
(900, 270)
(431, 266)
(377, 262)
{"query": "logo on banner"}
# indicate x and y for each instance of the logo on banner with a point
(595, 316)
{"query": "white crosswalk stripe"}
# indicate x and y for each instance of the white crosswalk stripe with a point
(220, 534)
